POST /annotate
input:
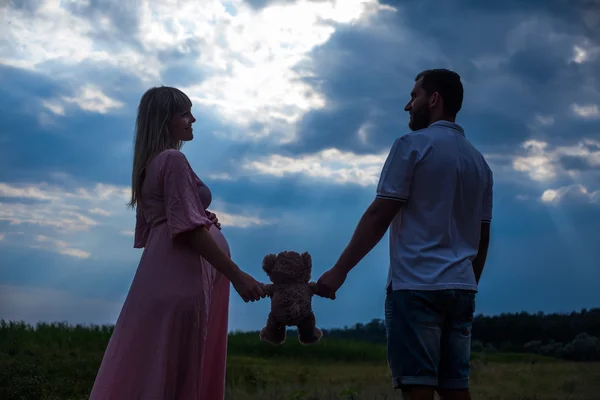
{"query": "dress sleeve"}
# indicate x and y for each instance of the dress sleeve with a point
(183, 208)
(142, 229)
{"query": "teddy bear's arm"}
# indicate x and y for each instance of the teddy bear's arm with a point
(313, 287)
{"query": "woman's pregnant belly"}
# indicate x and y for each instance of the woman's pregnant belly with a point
(160, 245)
(220, 239)
(172, 270)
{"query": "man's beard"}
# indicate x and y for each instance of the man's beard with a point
(420, 119)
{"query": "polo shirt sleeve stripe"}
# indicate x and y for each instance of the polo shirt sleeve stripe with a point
(381, 196)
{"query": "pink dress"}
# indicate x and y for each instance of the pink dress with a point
(170, 340)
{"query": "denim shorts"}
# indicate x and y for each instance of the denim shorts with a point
(429, 337)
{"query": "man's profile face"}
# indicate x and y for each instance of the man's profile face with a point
(418, 107)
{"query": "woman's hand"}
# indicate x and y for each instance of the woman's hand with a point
(247, 287)
(213, 218)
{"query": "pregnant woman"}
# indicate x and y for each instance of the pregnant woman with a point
(169, 342)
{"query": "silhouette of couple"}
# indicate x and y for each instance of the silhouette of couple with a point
(434, 195)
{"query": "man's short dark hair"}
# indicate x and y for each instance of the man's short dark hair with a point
(447, 83)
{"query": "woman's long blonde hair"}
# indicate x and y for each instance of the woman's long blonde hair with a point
(152, 136)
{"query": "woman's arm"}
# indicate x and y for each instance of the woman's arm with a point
(202, 241)
(186, 217)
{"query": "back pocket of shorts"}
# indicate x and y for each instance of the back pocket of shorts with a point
(422, 309)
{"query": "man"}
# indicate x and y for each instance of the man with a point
(435, 190)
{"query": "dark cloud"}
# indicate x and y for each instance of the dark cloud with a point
(569, 130)
(36, 139)
(22, 92)
(543, 32)
(21, 88)
(335, 128)
(366, 75)
(180, 71)
(514, 61)
(575, 196)
(593, 147)
(575, 163)
(581, 15)
(490, 129)
(590, 14)
(124, 17)
(537, 65)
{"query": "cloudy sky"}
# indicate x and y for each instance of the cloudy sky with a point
(297, 104)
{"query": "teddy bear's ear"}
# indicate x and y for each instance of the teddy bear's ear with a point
(269, 263)
(307, 260)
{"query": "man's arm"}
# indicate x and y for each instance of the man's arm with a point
(486, 220)
(484, 242)
(371, 228)
(393, 191)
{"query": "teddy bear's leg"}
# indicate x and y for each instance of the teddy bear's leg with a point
(273, 332)
(308, 333)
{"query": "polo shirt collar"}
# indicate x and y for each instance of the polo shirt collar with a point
(450, 125)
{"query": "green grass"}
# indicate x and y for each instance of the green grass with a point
(60, 362)
(494, 380)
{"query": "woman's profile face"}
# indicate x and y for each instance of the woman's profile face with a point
(180, 126)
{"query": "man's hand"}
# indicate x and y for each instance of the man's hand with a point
(330, 282)
(213, 218)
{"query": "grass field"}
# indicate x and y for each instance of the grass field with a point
(60, 362)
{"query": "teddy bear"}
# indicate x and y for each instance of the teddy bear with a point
(291, 297)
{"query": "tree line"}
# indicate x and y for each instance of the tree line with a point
(572, 336)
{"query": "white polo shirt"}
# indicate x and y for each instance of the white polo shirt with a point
(446, 186)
